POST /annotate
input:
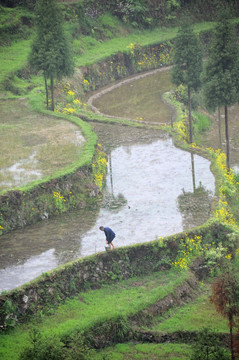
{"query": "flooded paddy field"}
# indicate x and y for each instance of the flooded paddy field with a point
(153, 189)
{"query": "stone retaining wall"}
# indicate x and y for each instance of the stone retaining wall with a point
(68, 280)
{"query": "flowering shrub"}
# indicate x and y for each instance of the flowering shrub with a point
(131, 46)
(73, 104)
(223, 213)
(229, 186)
(214, 255)
(165, 57)
(180, 93)
(220, 157)
(59, 200)
(1, 223)
(99, 167)
(71, 95)
(180, 127)
(86, 85)
(190, 248)
(143, 59)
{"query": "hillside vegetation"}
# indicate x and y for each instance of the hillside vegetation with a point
(131, 319)
(95, 30)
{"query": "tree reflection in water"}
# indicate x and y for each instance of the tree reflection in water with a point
(112, 201)
(195, 207)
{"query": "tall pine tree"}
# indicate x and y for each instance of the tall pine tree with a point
(221, 74)
(187, 67)
(50, 52)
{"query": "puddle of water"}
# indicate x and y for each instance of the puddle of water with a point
(34, 146)
(20, 173)
(79, 139)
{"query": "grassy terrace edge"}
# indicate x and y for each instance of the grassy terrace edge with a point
(71, 290)
(99, 52)
(36, 100)
(81, 316)
(36, 103)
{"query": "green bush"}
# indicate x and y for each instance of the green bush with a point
(134, 12)
(114, 330)
(14, 24)
(52, 348)
(201, 123)
(30, 4)
(76, 349)
(42, 348)
(209, 347)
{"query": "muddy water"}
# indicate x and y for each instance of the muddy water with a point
(139, 100)
(153, 189)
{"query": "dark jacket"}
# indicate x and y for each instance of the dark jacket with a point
(109, 233)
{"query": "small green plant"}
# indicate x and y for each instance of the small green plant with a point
(59, 201)
(213, 252)
(99, 167)
(42, 348)
(114, 330)
(1, 224)
(208, 347)
(189, 249)
(121, 329)
(76, 348)
(72, 104)
(134, 12)
(8, 310)
(201, 123)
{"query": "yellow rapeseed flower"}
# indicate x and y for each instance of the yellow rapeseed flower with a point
(76, 101)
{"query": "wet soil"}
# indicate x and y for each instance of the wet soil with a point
(139, 97)
(152, 189)
(146, 178)
(33, 145)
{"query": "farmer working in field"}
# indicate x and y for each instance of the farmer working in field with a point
(110, 235)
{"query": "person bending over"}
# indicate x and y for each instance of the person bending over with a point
(110, 235)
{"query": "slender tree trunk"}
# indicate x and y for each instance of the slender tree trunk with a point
(111, 174)
(46, 88)
(219, 127)
(227, 139)
(231, 337)
(190, 116)
(52, 94)
(193, 172)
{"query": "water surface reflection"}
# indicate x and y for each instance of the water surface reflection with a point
(138, 99)
(147, 180)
